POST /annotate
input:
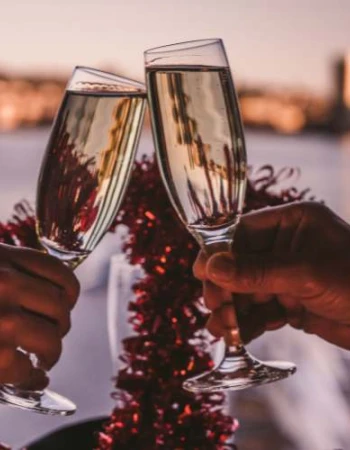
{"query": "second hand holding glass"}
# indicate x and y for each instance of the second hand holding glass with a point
(200, 149)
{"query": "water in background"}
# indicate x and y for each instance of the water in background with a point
(310, 411)
(324, 162)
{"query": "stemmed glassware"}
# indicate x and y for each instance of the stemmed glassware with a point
(83, 177)
(200, 149)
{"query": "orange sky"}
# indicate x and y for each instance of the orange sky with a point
(289, 42)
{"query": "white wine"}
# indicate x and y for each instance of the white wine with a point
(198, 134)
(86, 169)
(199, 141)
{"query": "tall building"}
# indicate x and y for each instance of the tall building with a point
(341, 111)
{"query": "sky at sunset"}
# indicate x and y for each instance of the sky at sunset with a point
(291, 43)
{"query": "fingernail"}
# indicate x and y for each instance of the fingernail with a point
(220, 267)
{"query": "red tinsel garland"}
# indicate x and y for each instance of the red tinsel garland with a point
(153, 412)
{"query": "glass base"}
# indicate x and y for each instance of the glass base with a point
(42, 402)
(239, 370)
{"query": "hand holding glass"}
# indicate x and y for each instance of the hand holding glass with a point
(83, 178)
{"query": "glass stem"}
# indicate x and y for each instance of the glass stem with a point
(232, 337)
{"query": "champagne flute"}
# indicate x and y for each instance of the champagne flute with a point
(200, 149)
(84, 175)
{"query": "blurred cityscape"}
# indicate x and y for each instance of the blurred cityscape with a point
(32, 101)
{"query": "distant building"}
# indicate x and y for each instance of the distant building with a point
(341, 111)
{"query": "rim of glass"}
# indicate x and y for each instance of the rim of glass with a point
(186, 45)
(108, 76)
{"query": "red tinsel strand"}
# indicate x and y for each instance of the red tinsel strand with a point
(20, 229)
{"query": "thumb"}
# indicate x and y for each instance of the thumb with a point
(268, 273)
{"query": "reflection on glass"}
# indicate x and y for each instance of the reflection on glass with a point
(206, 168)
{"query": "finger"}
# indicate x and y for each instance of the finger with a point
(333, 332)
(41, 338)
(260, 318)
(33, 334)
(222, 320)
(214, 325)
(40, 297)
(291, 303)
(262, 273)
(214, 296)
(199, 265)
(38, 380)
(244, 302)
(44, 266)
(226, 309)
(15, 366)
(251, 328)
(258, 230)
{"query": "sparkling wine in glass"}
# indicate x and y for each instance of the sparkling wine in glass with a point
(200, 149)
(84, 174)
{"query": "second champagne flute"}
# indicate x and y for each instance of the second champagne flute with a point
(84, 174)
(200, 150)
